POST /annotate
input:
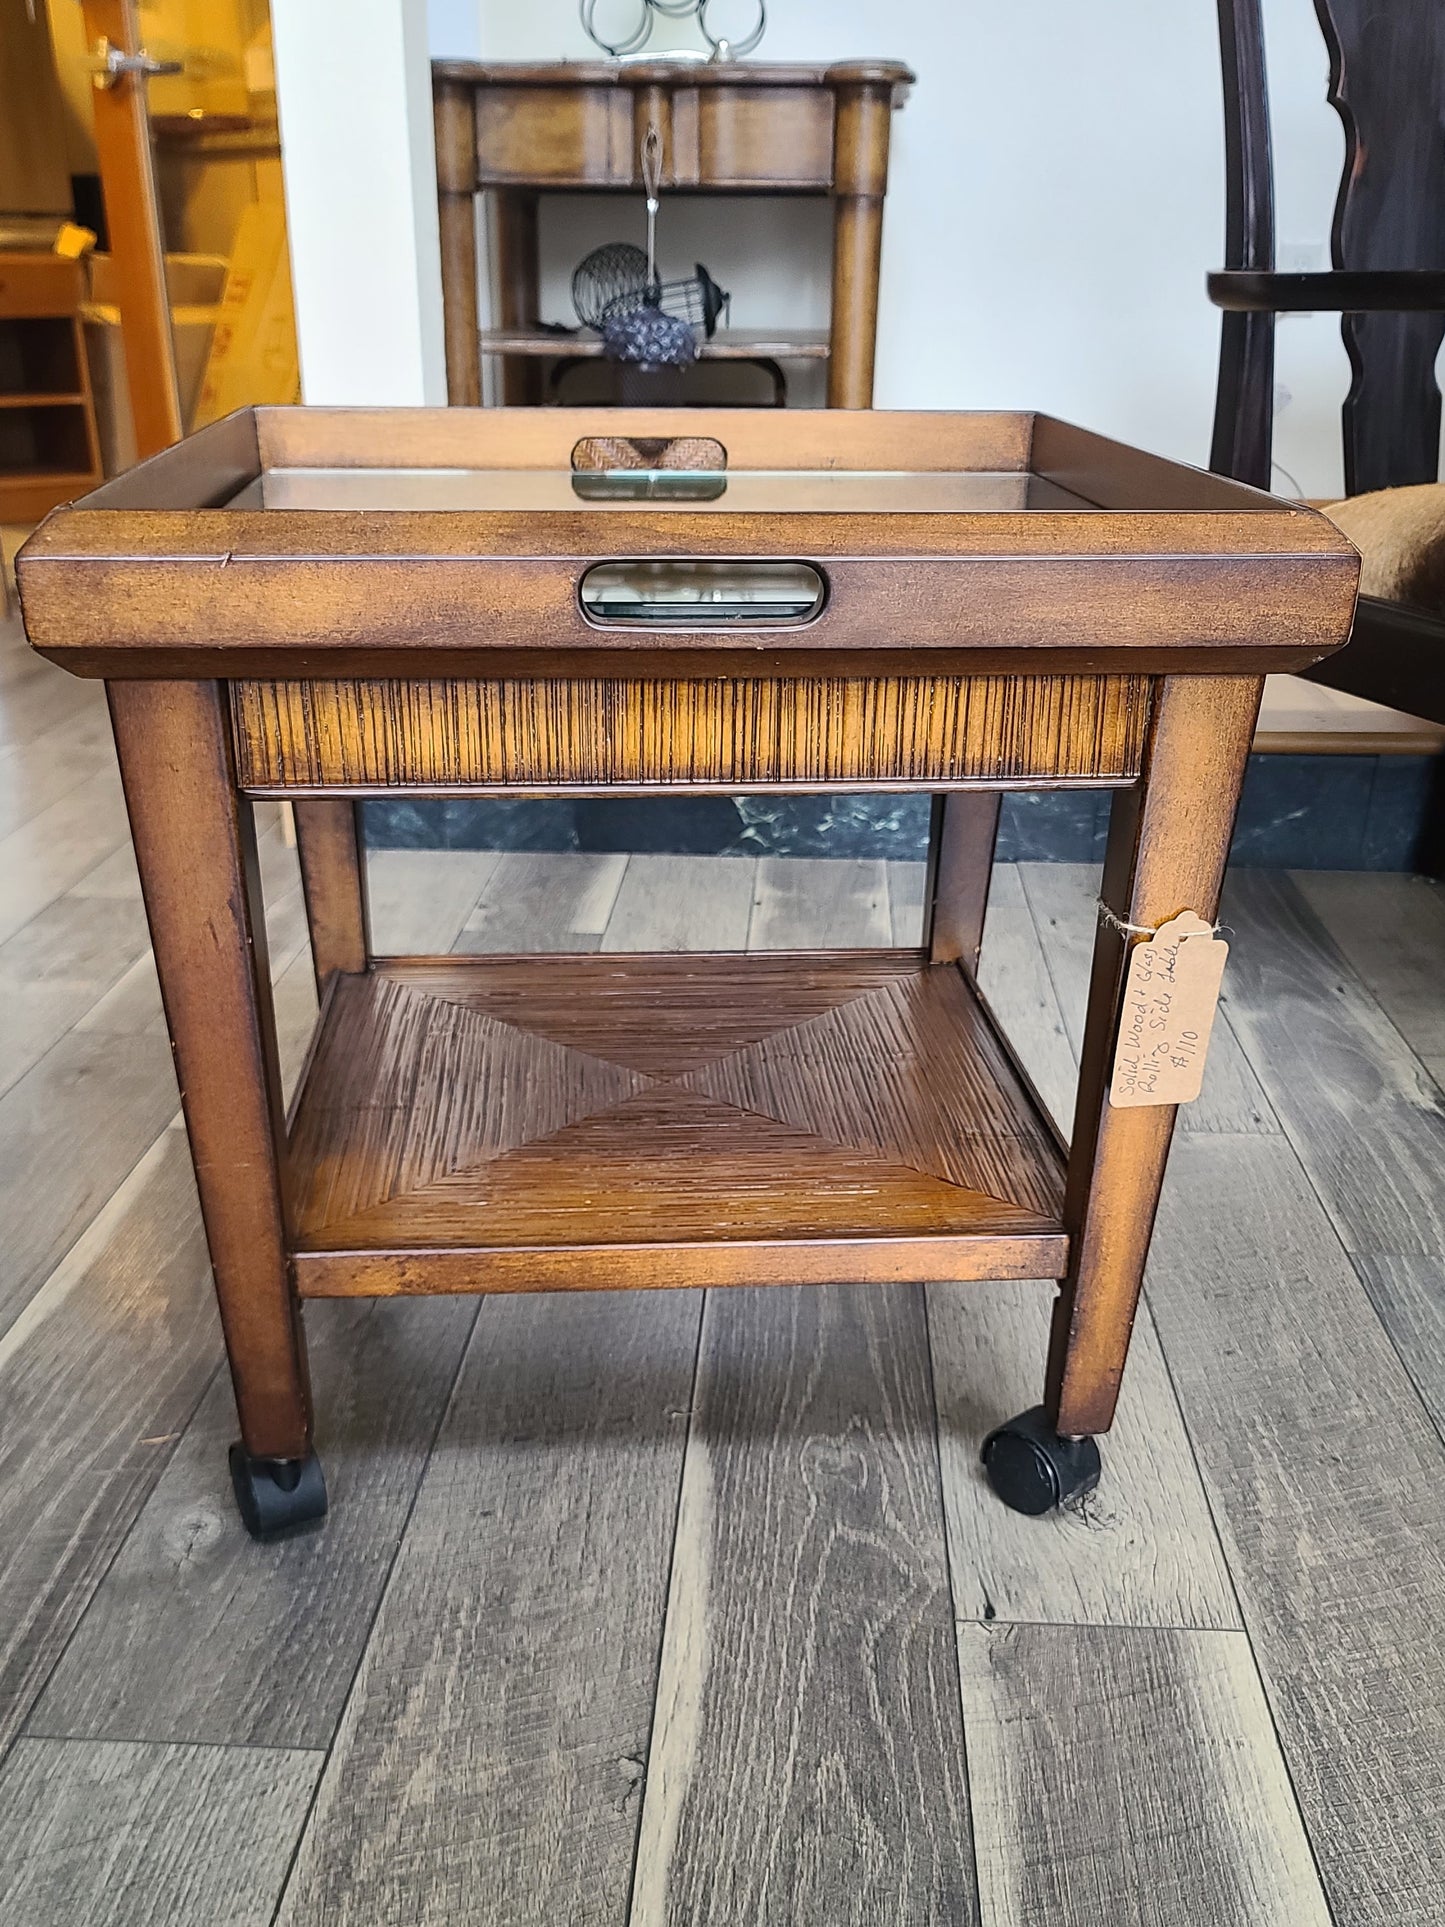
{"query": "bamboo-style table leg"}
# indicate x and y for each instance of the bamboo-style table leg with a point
(196, 851)
(1168, 843)
(333, 882)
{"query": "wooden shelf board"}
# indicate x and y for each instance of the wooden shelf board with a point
(38, 476)
(27, 494)
(23, 400)
(781, 344)
(484, 1124)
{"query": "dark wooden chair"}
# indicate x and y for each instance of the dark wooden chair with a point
(1387, 82)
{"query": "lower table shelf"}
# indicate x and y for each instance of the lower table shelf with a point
(483, 1124)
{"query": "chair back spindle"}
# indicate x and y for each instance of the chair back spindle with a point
(1244, 409)
(1387, 82)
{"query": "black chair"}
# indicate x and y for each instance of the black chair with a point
(1387, 81)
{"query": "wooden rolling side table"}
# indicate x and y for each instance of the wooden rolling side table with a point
(736, 127)
(327, 605)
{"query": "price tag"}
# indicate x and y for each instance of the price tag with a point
(1170, 997)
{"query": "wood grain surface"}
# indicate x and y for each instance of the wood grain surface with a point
(148, 1836)
(561, 1108)
(542, 901)
(1140, 1551)
(419, 899)
(1123, 1774)
(492, 1756)
(1392, 930)
(199, 1634)
(1218, 580)
(195, 848)
(1168, 844)
(532, 438)
(1408, 1295)
(1324, 1474)
(1366, 1120)
(658, 906)
(106, 1106)
(820, 903)
(720, 733)
(98, 1377)
(930, 1086)
(329, 844)
(807, 1759)
(1322, 1468)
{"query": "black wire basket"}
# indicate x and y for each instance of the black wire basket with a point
(612, 281)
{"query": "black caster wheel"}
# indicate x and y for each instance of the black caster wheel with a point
(277, 1495)
(1032, 1469)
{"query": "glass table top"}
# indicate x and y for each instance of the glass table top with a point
(755, 491)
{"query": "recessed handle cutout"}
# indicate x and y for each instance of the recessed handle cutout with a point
(629, 468)
(702, 595)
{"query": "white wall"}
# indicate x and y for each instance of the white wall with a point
(1056, 202)
(354, 99)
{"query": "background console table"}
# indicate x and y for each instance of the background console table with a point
(516, 132)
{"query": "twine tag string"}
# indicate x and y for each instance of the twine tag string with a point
(1113, 922)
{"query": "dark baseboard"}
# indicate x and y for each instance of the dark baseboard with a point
(1298, 813)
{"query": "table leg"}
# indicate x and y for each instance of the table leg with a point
(514, 226)
(861, 128)
(196, 850)
(333, 881)
(960, 863)
(456, 151)
(1168, 843)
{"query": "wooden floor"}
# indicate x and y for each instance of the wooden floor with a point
(664, 1610)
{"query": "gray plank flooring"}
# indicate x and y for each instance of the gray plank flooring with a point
(644, 1610)
(658, 905)
(71, 1129)
(419, 899)
(1392, 929)
(806, 1765)
(1128, 1775)
(1326, 1478)
(544, 902)
(841, 905)
(1365, 1116)
(191, 1637)
(1141, 1551)
(100, 1835)
(490, 1761)
(98, 1378)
